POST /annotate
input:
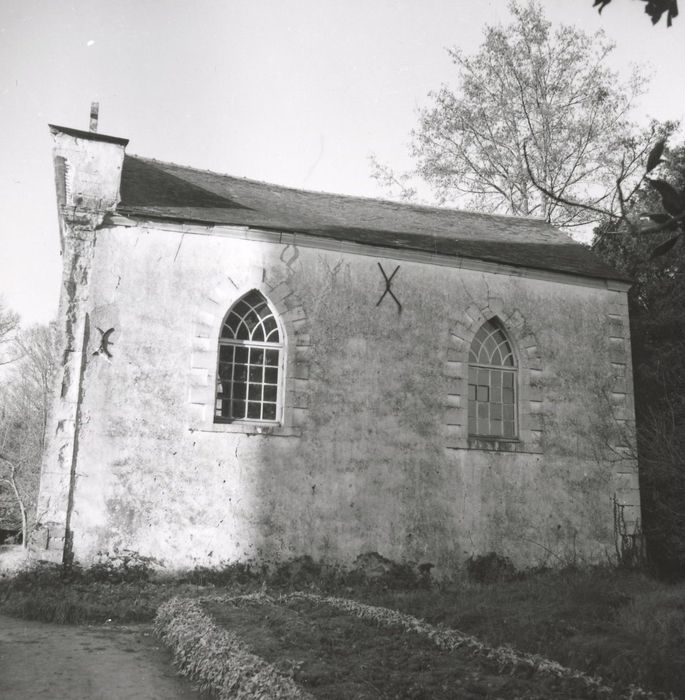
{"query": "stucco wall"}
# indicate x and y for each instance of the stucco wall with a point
(373, 454)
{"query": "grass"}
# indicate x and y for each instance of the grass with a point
(621, 625)
(336, 656)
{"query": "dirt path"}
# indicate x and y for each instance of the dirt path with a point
(59, 662)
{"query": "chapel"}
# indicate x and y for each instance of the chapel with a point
(253, 373)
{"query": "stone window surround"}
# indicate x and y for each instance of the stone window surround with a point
(205, 342)
(529, 394)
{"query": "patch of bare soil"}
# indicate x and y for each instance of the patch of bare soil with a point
(39, 660)
(336, 656)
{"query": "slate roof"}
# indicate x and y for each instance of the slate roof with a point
(156, 190)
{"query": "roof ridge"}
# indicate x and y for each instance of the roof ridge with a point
(382, 200)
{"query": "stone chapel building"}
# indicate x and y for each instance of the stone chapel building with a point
(252, 372)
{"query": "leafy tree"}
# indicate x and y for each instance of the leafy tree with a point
(653, 254)
(654, 8)
(529, 91)
(25, 392)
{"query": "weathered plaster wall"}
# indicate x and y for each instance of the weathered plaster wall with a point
(87, 175)
(373, 454)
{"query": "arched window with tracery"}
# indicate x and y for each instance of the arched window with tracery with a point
(249, 374)
(492, 383)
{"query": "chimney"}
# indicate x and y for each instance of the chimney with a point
(94, 109)
(87, 168)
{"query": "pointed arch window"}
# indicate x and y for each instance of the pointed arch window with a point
(492, 384)
(249, 375)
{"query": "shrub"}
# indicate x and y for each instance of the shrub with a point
(490, 568)
(216, 659)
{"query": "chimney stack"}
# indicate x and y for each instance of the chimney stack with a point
(94, 109)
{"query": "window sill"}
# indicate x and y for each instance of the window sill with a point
(494, 443)
(249, 429)
(485, 444)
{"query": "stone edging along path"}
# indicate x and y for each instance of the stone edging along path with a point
(218, 660)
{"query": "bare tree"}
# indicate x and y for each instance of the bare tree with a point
(529, 91)
(9, 325)
(24, 400)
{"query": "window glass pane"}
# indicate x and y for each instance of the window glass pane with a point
(269, 411)
(507, 396)
(483, 410)
(472, 392)
(242, 332)
(509, 412)
(484, 377)
(508, 428)
(257, 356)
(496, 395)
(271, 375)
(272, 358)
(496, 427)
(508, 379)
(489, 346)
(258, 333)
(495, 378)
(482, 393)
(256, 373)
(496, 411)
(254, 409)
(472, 424)
(226, 353)
(239, 373)
(251, 320)
(241, 354)
(238, 409)
(255, 393)
(239, 390)
(473, 375)
(240, 309)
(270, 324)
(270, 393)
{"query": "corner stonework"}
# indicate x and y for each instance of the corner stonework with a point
(623, 448)
(530, 415)
(88, 169)
(203, 363)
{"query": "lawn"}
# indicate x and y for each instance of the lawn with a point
(334, 655)
(621, 625)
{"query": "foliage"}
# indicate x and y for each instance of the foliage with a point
(26, 388)
(654, 256)
(124, 566)
(530, 92)
(215, 658)
(489, 568)
(654, 8)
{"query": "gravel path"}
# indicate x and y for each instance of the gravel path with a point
(60, 662)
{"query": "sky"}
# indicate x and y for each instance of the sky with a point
(295, 92)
